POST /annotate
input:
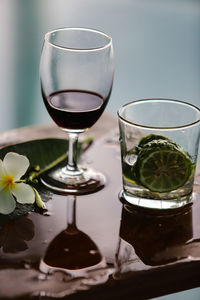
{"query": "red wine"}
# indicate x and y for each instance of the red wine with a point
(76, 251)
(75, 109)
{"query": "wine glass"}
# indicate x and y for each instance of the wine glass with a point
(76, 74)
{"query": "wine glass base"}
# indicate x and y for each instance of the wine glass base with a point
(88, 182)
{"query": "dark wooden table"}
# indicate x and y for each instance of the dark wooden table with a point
(120, 251)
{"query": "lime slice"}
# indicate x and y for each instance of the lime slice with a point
(162, 166)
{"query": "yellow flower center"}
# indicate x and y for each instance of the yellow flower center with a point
(8, 181)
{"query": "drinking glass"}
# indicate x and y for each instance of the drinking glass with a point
(159, 141)
(76, 74)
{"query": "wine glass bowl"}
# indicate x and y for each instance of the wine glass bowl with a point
(78, 253)
(76, 74)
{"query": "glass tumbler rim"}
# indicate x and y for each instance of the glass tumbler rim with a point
(86, 29)
(182, 102)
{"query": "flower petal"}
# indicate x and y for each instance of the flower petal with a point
(1, 174)
(7, 202)
(15, 164)
(1, 168)
(23, 193)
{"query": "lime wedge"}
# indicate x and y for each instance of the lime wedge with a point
(162, 166)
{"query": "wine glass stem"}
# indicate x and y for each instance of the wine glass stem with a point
(71, 211)
(72, 168)
(71, 215)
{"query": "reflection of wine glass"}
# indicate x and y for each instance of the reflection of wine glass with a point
(76, 73)
(72, 251)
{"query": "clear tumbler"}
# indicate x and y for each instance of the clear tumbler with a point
(159, 141)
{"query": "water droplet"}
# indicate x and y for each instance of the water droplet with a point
(42, 294)
(113, 140)
(44, 242)
(93, 252)
(42, 277)
(27, 264)
(47, 213)
(89, 161)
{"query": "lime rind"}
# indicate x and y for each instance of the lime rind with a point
(151, 137)
(144, 141)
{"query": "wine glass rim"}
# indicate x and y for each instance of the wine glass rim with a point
(119, 112)
(47, 35)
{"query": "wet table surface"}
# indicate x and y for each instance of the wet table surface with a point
(108, 250)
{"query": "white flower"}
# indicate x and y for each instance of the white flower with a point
(12, 168)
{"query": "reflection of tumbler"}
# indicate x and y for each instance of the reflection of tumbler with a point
(156, 239)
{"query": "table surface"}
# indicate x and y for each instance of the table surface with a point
(113, 251)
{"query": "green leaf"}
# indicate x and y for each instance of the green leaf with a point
(40, 153)
(44, 151)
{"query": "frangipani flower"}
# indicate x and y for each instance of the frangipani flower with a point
(12, 168)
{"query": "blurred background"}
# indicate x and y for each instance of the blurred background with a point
(156, 46)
